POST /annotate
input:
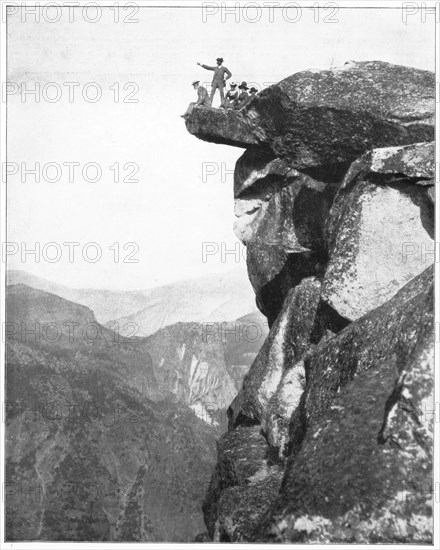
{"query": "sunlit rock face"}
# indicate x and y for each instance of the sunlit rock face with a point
(334, 200)
(380, 231)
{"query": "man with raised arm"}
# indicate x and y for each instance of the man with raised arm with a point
(221, 74)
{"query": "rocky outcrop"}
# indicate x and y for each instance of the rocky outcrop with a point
(243, 487)
(330, 437)
(325, 117)
(278, 354)
(281, 217)
(361, 463)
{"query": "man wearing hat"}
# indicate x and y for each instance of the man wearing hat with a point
(202, 94)
(243, 96)
(218, 80)
(202, 98)
(231, 96)
(252, 93)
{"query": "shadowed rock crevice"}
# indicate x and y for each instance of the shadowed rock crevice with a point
(331, 174)
(328, 323)
(272, 296)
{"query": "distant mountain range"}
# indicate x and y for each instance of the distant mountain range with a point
(214, 297)
(106, 304)
(203, 365)
(114, 437)
(91, 458)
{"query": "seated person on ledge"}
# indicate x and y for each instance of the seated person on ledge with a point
(231, 97)
(202, 97)
(243, 96)
(252, 93)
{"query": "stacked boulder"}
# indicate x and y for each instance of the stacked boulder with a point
(330, 437)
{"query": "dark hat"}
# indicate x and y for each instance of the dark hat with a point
(220, 59)
(195, 82)
(243, 85)
(253, 89)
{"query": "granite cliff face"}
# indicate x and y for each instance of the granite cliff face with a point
(330, 437)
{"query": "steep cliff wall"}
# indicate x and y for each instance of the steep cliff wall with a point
(330, 437)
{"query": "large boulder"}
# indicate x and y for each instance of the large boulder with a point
(360, 467)
(241, 507)
(380, 231)
(322, 117)
(415, 161)
(286, 344)
(281, 406)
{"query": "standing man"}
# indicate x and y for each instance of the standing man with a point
(218, 80)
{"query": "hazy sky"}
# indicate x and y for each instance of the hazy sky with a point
(171, 210)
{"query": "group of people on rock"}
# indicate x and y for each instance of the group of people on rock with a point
(234, 98)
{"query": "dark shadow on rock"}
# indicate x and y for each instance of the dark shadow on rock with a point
(296, 268)
(327, 320)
